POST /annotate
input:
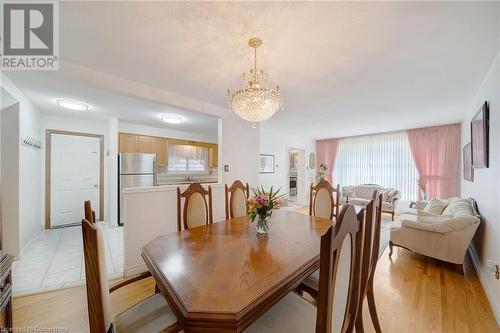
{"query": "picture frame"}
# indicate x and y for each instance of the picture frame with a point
(480, 137)
(267, 163)
(468, 170)
(312, 160)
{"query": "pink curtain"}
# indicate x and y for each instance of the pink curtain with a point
(326, 152)
(436, 152)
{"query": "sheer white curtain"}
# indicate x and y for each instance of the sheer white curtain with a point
(384, 159)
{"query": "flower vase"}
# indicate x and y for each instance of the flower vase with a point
(262, 226)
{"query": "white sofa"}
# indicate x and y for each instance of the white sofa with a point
(362, 194)
(441, 229)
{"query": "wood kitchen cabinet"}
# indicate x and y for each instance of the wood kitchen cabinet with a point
(213, 156)
(161, 151)
(136, 143)
(127, 143)
(146, 144)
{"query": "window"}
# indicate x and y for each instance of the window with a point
(383, 159)
(185, 158)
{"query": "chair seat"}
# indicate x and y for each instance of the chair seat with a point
(312, 280)
(291, 314)
(149, 316)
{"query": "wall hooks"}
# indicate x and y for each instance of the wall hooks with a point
(30, 142)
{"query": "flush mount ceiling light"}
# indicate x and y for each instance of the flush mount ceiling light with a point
(172, 119)
(256, 102)
(72, 105)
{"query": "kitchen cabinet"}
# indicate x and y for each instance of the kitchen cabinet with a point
(213, 156)
(127, 143)
(161, 151)
(136, 143)
(146, 144)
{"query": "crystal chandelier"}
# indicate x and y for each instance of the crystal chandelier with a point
(256, 102)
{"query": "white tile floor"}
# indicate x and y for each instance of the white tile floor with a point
(54, 260)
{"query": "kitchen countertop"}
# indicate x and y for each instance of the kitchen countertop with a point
(166, 187)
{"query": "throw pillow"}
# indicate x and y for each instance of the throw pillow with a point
(436, 206)
(459, 207)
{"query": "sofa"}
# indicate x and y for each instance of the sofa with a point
(362, 194)
(441, 229)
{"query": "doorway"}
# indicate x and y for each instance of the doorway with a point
(296, 176)
(74, 172)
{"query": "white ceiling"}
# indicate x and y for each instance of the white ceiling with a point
(44, 88)
(345, 68)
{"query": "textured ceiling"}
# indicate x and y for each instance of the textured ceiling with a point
(345, 68)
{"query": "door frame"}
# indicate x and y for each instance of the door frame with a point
(48, 169)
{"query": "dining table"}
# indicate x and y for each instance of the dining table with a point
(221, 277)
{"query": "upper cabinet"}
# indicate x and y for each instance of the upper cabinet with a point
(135, 143)
(146, 144)
(128, 143)
(161, 151)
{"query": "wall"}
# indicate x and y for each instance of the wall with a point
(277, 143)
(484, 189)
(156, 208)
(81, 126)
(240, 150)
(29, 166)
(10, 180)
(166, 133)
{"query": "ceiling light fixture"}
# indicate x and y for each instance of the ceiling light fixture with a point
(72, 105)
(256, 102)
(172, 119)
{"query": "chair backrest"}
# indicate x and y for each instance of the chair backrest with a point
(89, 213)
(322, 201)
(371, 244)
(236, 199)
(196, 211)
(98, 299)
(339, 274)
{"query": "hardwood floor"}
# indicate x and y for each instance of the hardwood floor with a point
(413, 294)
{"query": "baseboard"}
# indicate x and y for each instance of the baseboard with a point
(495, 307)
(131, 271)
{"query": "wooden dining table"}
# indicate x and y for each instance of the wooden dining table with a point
(221, 277)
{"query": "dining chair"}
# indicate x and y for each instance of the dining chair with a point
(338, 286)
(150, 315)
(371, 250)
(196, 211)
(89, 213)
(322, 201)
(236, 199)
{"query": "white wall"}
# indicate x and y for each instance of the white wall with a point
(278, 143)
(166, 133)
(29, 165)
(240, 150)
(10, 180)
(82, 126)
(151, 212)
(486, 243)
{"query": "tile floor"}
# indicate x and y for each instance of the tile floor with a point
(54, 260)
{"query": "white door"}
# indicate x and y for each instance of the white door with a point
(75, 165)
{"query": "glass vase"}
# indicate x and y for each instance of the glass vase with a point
(262, 226)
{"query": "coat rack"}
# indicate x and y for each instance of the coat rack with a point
(30, 142)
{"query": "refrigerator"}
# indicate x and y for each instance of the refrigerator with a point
(134, 170)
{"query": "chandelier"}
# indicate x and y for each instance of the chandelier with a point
(256, 102)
